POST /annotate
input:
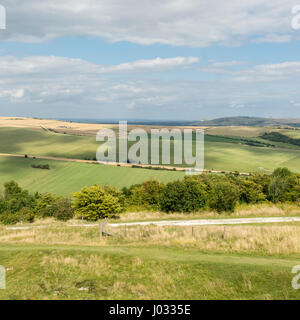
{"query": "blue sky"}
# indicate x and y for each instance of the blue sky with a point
(167, 59)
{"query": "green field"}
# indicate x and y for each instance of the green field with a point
(66, 272)
(67, 177)
(61, 262)
(293, 133)
(220, 153)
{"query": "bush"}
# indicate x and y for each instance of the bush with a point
(251, 192)
(284, 186)
(224, 196)
(117, 194)
(45, 205)
(41, 166)
(146, 195)
(95, 203)
(62, 209)
(10, 218)
(26, 215)
(189, 195)
(15, 198)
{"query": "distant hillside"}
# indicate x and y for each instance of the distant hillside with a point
(250, 121)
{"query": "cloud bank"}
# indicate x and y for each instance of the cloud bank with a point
(194, 23)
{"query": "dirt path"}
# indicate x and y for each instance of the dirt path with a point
(181, 223)
(205, 222)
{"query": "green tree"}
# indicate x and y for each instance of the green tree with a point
(251, 192)
(16, 198)
(189, 195)
(45, 205)
(224, 196)
(94, 203)
(62, 209)
(282, 185)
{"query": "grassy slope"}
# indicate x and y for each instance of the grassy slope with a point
(218, 155)
(67, 177)
(291, 133)
(239, 262)
(58, 272)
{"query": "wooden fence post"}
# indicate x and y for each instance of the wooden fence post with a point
(101, 229)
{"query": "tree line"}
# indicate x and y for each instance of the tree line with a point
(220, 193)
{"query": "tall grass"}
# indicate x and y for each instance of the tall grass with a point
(259, 210)
(251, 239)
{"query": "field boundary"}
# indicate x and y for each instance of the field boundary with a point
(119, 164)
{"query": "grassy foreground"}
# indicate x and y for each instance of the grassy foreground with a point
(56, 261)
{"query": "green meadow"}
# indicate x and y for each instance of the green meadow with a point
(66, 272)
(65, 178)
(57, 261)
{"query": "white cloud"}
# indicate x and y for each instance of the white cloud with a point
(155, 64)
(61, 65)
(58, 86)
(195, 23)
(264, 72)
(294, 103)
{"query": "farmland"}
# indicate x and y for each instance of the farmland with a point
(221, 152)
(66, 177)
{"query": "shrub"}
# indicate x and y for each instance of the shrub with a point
(26, 215)
(189, 195)
(10, 218)
(62, 209)
(224, 196)
(251, 192)
(93, 203)
(147, 194)
(41, 166)
(45, 205)
(151, 192)
(15, 198)
(117, 194)
(283, 186)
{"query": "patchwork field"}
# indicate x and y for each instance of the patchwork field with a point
(221, 153)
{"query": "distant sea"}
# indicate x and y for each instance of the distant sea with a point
(133, 121)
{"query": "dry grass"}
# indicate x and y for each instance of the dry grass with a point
(259, 239)
(260, 210)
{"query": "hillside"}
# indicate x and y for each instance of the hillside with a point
(250, 121)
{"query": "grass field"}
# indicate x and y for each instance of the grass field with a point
(67, 177)
(219, 154)
(291, 133)
(60, 262)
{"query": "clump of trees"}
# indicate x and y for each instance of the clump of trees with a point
(41, 166)
(18, 205)
(279, 137)
(220, 193)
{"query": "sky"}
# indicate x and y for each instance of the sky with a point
(150, 59)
